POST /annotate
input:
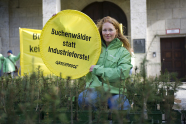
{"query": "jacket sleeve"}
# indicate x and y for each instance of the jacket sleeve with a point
(114, 74)
(17, 57)
(1, 57)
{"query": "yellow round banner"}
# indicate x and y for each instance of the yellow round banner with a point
(70, 43)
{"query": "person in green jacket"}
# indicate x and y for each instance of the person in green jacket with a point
(9, 63)
(113, 65)
(1, 60)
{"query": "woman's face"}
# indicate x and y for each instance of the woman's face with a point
(109, 32)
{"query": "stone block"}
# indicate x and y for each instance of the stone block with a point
(4, 50)
(148, 5)
(151, 33)
(158, 25)
(37, 21)
(173, 23)
(14, 42)
(13, 12)
(183, 13)
(40, 27)
(155, 47)
(4, 32)
(138, 25)
(87, 2)
(183, 3)
(4, 3)
(14, 4)
(171, 4)
(151, 15)
(182, 31)
(26, 3)
(25, 21)
(138, 6)
(32, 11)
(28, 27)
(4, 11)
(138, 59)
(149, 27)
(177, 12)
(40, 13)
(4, 22)
(153, 69)
(81, 6)
(157, 4)
(22, 12)
(32, 3)
(150, 36)
(125, 6)
(14, 22)
(16, 50)
(35, 27)
(164, 14)
(183, 23)
(161, 32)
(12, 32)
(5, 41)
(38, 3)
(16, 32)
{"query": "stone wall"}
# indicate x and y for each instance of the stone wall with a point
(15, 14)
(4, 26)
(162, 15)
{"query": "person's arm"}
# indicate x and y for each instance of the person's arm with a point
(114, 74)
(1, 57)
(17, 57)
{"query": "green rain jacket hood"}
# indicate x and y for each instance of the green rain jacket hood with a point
(8, 66)
(114, 64)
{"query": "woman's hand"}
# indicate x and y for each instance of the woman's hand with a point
(91, 68)
(54, 14)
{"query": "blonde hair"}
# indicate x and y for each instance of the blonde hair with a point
(119, 35)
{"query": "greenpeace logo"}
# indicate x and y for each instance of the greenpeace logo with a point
(66, 64)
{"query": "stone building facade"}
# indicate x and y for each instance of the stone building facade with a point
(146, 19)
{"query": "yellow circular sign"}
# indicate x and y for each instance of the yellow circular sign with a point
(70, 43)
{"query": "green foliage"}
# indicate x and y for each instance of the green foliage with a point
(37, 99)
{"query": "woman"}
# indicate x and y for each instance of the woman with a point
(113, 65)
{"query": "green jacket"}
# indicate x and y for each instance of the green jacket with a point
(8, 66)
(113, 65)
(1, 60)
